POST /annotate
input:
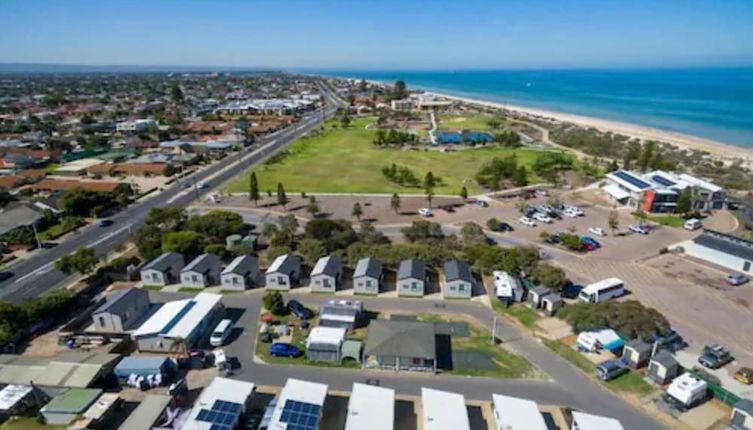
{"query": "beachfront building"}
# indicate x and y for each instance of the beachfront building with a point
(722, 249)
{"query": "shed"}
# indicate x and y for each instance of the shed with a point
(401, 345)
(241, 273)
(367, 276)
(325, 343)
(551, 303)
(284, 272)
(163, 270)
(443, 410)
(458, 279)
(514, 413)
(742, 415)
(370, 408)
(66, 406)
(15, 399)
(202, 272)
(636, 353)
(341, 313)
(327, 274)
(411, 278)
(144, 366)
(121, 310)
(351, 350)
(147, 413)
(663, 368)
(536, 294)
(584, 421)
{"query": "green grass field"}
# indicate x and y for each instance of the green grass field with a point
(465, 122)
(346, 161)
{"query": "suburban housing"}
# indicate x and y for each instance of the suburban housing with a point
(411, 278)
(401, 345)
(284, 272)
(202, 272)
(241, 273)
(163, 270)
(121, 310)
(325, 278)
(367, 276)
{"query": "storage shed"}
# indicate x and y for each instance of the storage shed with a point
(636, 353)
(536, 294)
(551, 303)
(742, 415)
(663, 368)
(68, 405)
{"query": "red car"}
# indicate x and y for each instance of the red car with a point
(588, 247)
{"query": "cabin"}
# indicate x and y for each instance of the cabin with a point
(636, 353)
(535, 295)
(411, 278)
(327, 274)
(163, 270)
(202, 272)
(742, 415)
(663, 368)
(367, 276)
(241, 273)
(458, 280)
(551, 303)
(284, 272)
(121, 311)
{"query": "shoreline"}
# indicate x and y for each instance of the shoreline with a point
(720, 150)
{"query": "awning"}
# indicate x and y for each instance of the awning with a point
(616, 192)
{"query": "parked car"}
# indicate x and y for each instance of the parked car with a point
(541, 216)
(570, 213)
(554, 239)
(745, 375)
(671, 340)
(637, 228)
(105, 223)
(590, 241)
(281, 349)
(527, 221)
(425, 212)
(482, 203)
(715, 356)
(447, 208)
(201, 185)
(575, 210)
(693, 224)
(502, 226)
(5, 275)
(610, 369)
(587, 247)
(300, 311)
(529, 212)
(597, 231)
(221, 332)
(736, 279)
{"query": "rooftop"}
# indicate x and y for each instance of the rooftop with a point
(595, 422)
(203, 263)
(329, 265)
(302, 399)
(515, 413)
(219, 390)
(368, 267)
(284, 264)
(74, 400)
(146, 413)
(179, 318)
(726, 243)
(12, 394)
(401, 338)
(164, 262)
(457, 270)
(241, 265)
(411, 269)
(443, 410)
(371, 408)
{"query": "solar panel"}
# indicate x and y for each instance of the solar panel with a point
(661, 180)
(632, 179)
(300, 415)
(222, 416)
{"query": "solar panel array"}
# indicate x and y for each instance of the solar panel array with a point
(661, 180)
(640, 183)
(300, 415)
(223, 415)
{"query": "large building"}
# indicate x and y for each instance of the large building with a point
(722, 249)
(659, 191)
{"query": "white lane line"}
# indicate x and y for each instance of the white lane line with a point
(43, 269)
(109, 235)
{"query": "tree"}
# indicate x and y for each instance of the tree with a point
(549, 276)
(177, 93)
(493, 224)
(345, 120)
(464, 193)
(312, 207)
(429, 184)
(217, 224)
(357, 211)
(335, 234)
(179, 346)
(311, 250)
(423, 231)
(274, 303)
(189, 243)
(269, 229)
(572, 241)
(168, 218)
(82, 261)
(217, 249)
(400, 90)
(613, 221)
(641, 216)
(395, 203)
(685, 202)
(647, 155)
(148, 240)
(472, 233)
(253, 189)
(288, 223)
(282, 198)
(630, 318)
(520, 177)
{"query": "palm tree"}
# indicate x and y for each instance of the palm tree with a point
(179, 346)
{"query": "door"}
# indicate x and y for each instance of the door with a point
(746, 266)
(738, 420)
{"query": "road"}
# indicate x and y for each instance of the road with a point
(36, 275)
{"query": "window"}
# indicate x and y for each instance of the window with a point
(194, 278)
(368, 284)
(235, 280)
(281, 280)
(414, 286)
(746, 266)
(102, 321)
(461, 288)
(416, 361)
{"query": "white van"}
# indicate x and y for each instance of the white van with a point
(693, 224)
(602, 290)
(221, 332)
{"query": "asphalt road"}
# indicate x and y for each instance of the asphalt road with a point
(36, 275)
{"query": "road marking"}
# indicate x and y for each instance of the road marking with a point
(44, 269)
(109, 235)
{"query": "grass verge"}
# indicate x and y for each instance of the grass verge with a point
(153, 287)
(523, 314)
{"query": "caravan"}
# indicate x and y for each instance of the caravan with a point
(507, 287)
(602, 290)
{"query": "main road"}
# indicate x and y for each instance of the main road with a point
(37, 275)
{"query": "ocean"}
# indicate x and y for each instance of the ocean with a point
(713, 103)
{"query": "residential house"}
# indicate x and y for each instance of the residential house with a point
(284, 272)
(411, 278)
(121, 310)
(53, 185)
(458, 280)
(341, 313)
(163, 270)
(401, 345)
(202, 272)
(367, 276)
(135, 126)
(326, 276)
(19, 216)
(443, 410)
(241, 273)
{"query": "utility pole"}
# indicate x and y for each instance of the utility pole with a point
(36, 235)
(494, 330)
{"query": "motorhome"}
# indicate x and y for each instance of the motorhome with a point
(686, 391)
(507, 287)
(602, 290)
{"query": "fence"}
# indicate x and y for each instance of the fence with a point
(715, 388)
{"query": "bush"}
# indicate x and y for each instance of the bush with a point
(630, 318)
(218, 250)
(274, 303)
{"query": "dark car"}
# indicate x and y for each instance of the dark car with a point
(300, 311)
(671, 340)
(715, 356)
(529, 212)
(5, 275)
(610, 369)
(554, 239)
(105, 223)
(284, 350)
(591, 241)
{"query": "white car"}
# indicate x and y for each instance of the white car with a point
(541, 216)
(574, 210)
(637, 228)
(425, 212)
(527, 221)
(597, 231)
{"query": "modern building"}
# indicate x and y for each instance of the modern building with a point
(121, 311)
(442, 410)
(636, 353)
(584, 421)
(67, 406)
(325, 344)
(514, 413)
(163, 270)
(411, 278)
(202, 272)
(401, 345)
(187, 319)
(284, 272)
(732, 252)
(742, 415)
(241, 273)
(148, 414)
(663, 368)
(220, 405)
(327, 273)
(368, 276)
(458, 280)
(341, 313)
(402, 105)
(370, 408)
(299, 406)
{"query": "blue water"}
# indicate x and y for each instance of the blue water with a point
(711, 103)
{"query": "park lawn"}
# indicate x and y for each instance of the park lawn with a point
(465, 122)
(569, 354)
(668, 220)
(346, 161)
(632, 383)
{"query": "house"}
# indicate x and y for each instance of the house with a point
(65, 407)
(535, 295)
(636, 353)
(163, 270)
(726, 250)
(458, 280)
(188, 319)
(551, 303)
(202, 272)
(135, 126)
(367, 276)
(326, 276)
(514, 413)
(241, 273)
(401, 345)
(370, 408)
(19, 216)
(663, 368)
(742, 415)
(284, 272)
(442, 410)
(74, 369)
(401, 105)
(221, 405)
(341, 313)
(325, 344)
(298, 402)
(411, 278)
(53, 185)
(121, 310)
(507, 287)
(148, 414)
(584, 421)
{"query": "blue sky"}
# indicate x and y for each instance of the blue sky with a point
(386, 34)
